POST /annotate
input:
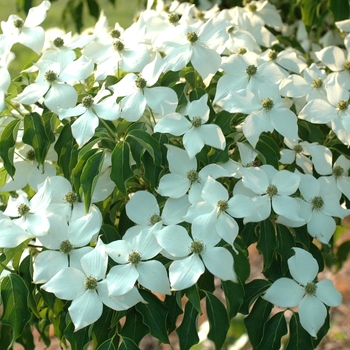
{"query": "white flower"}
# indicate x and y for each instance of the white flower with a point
(196, 132)
(193, 255)
(304, 292)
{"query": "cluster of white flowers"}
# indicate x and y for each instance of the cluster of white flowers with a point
(193, 221)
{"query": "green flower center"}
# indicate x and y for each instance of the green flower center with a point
(272, 55)
(90, 283)
(343, 105)
(271, 190)
(347, 65)
(18, 23)
(173, 18)
(154, 219)
(70, 197)
(196, 122)
(230, 30)
(140, 83)
(134, 258)
(193, 176)
(23, 209)
(251, 70)
(30, 155)
(197, 247)
(192, 37)
(200, 15)
(267, 104)
(298, 148)
(50, 76)
(242, 51)
(310, 288)
(87, 101)
(58, 42)
(222, 205)
(338, 171)
(115, 33)
(317, 83)
(317, 203)
(66, 247)
(118, 46)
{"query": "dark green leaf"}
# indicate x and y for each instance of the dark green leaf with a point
(188, 330)
(102, 327)
(252, 291)
(322, 332)
(78, 339)
(267, 244)
(285, 244)
(241, 262)
(193, 296)
(14, 296)
(109, 234)
(6, 336)
(342, 253)
(234, 293)
(134, 328)
(94, 9)
(121, 170)
(174, 310)
(224, 119)
(154, 315)
(218, 320)
(7, 145)
(268, 150)
(302, 236)
(255, 321)
(249, 233)
(275, 328)
(128, 344)
(107, 345)
(26, 339)
(298, 338)
(151, 172)
(308, 12)
(339, 8)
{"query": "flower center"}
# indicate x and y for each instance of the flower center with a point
(140, 83)
(222, 205)
(230, 29)
(271, 190)
(30, 155)
(66, 247)
(173, 18)
(118, 46)
(134, 258)
(317, 203)
(154, 219)
(272, 55)
(310, 288)
(343, 105)
(196, 122)
(50, 76)
(200, 15)
(58, 42)
(87, 101)
(18, 23)
(267, 104)
(317, 83)
(338, 171)
(197, 247)
(90, 283)
(193, 176)
(242, 51)
(192, 37)
(251, 70)
(23, 209)
(252, 8)
(347, 65)
(298, 148)
(70, 197)
(115, 33)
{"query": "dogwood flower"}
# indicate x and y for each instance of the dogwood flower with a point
(304, 292)
(196, 133)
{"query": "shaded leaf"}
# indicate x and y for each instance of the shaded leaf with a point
(298, 337)
(267, 244)
(234, 294)
(188, 330)
(252, 291)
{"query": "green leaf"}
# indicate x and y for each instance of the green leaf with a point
(35, 135)
(66, 149)
(107, 345)
(26, 339)
(224, 119)
(249, 233)
(298, 337)
(234, 294)
(128, 344)
(7, 145)
(267, 244)
(109, 234)
(255, 321)
(339, 8)
(89, 177)
(102, 327)
(193, 296)
(154, 315)
(78, 339)
(286, 242)
(121, 170)
(151, 172)
(342, 253)
(6, 336)
(94, 9)
(252, 291)
(174, 310)
(188, 330)
(134, 328)
(308, 12)
(268, 150)
(218, 320)
(14, 296)
(275, 328)
(149, 144)
(241, 261)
